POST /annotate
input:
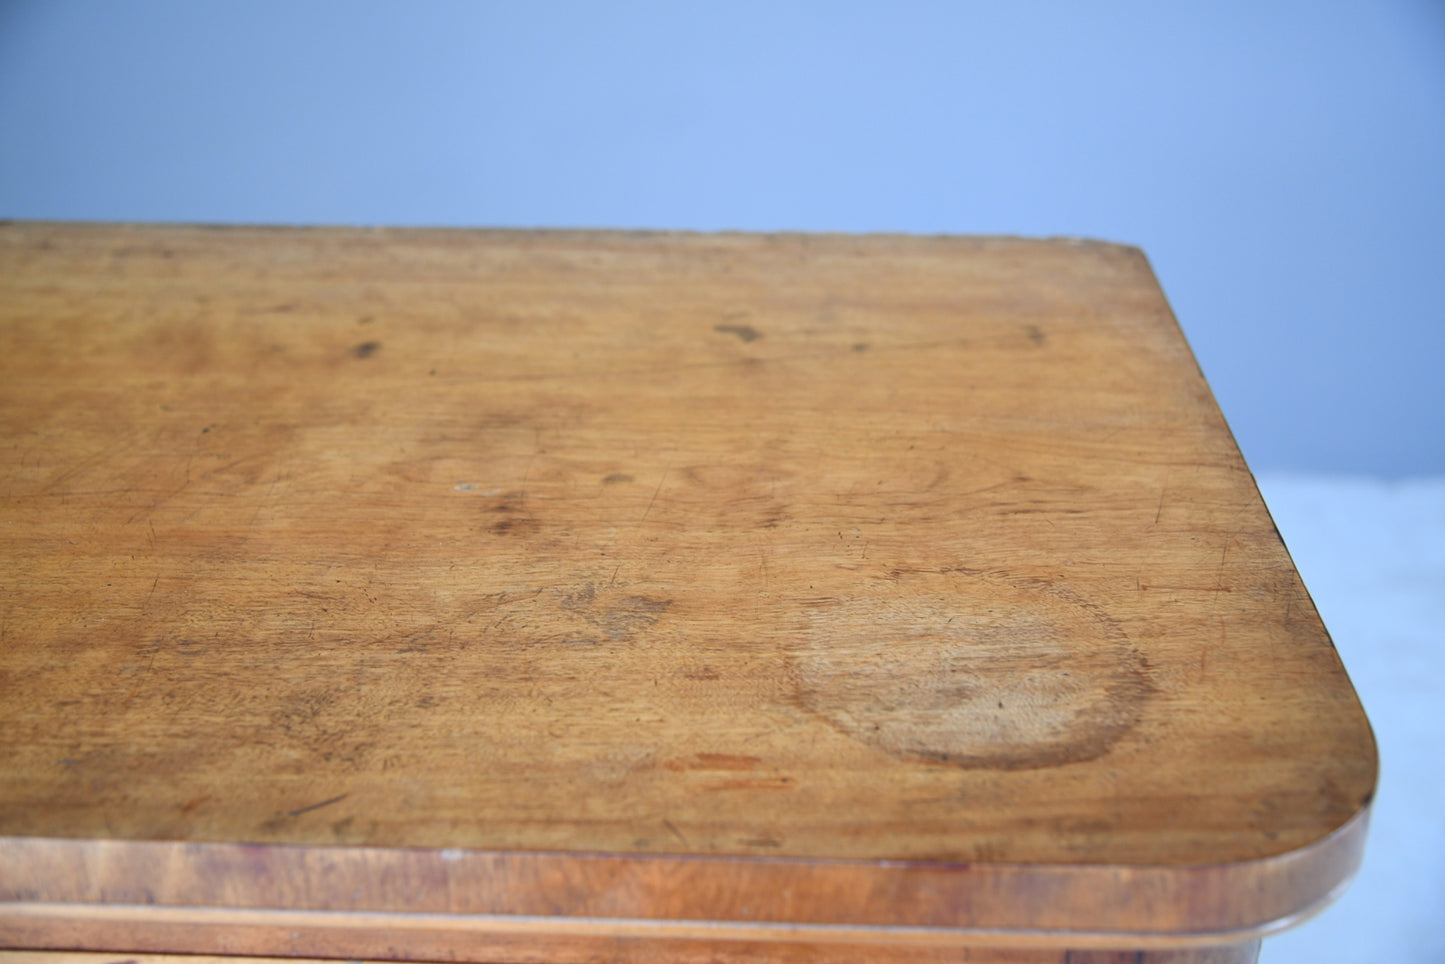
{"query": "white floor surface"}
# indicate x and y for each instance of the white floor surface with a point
(1373, 556)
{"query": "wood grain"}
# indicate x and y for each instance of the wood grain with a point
(1234, 955)
(641, 575)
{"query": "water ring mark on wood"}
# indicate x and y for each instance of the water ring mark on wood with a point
(999, 674)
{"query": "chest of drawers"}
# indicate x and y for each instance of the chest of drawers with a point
(569, 596)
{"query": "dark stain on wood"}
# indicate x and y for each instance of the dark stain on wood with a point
(745, 332)
(715, 761)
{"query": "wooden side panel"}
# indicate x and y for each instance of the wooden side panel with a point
(1136, 906)
(701, 952)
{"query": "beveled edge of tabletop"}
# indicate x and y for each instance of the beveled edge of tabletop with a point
(79, 887)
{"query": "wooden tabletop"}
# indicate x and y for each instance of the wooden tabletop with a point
(642, 580)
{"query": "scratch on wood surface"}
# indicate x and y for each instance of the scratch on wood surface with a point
(84, 463)
(317, 806)
(165, 498)
(611, 374)
(662, 479)
(1150, 586)
(195, 802)
(751, 783)
(675, 832)
(527, 472)
(263, 501)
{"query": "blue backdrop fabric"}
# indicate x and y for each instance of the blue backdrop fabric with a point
(1282, 164)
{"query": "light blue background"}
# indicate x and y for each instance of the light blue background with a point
(1283, 164)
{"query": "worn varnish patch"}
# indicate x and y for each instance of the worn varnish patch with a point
(993, 674)
(593, 615)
